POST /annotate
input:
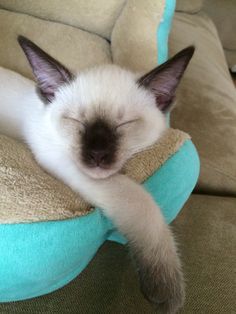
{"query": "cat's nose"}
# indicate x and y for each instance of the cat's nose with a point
(98, 157)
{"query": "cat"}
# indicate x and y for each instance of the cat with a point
(82, 128)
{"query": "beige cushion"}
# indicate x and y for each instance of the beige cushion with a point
(28, 193)
(190, 6)
(134, 36)
(207, 103)
(94, 16)
(133, 41)
(75, 48)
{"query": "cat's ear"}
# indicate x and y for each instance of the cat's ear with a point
(49, 73)
(164, 79)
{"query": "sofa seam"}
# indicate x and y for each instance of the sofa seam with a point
(211, 165)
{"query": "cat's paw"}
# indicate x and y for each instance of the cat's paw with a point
(163, 286)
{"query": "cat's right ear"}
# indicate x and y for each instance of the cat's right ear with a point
(49, 73)
(164, 79)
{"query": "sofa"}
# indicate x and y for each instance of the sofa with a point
(206, 109)
(218, 11)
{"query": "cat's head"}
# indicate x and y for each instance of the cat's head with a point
(103, 115)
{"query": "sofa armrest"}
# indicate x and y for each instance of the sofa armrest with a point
(218, 10)
(206, 102)
(187, 6)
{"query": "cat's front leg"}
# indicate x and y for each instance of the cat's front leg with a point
(160, 275)
(151, 242)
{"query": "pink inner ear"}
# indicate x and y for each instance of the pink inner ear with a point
(163, 80)
(49, 73)
(164, 102)
(49, 78)
(164, 89)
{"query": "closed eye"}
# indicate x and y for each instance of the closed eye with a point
(75, 120)
(127, 122)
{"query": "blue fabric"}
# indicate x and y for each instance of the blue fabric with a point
(163, 31)
(172, 184)
(38, 258)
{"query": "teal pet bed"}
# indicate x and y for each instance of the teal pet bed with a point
(48, 235)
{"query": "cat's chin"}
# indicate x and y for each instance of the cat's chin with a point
(99, 173)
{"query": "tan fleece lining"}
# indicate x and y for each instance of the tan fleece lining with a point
(29, 194)
(144, 164)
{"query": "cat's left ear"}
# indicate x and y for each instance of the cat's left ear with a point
(164, 79)
(50, 74)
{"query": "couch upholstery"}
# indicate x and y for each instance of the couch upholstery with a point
(206, 107)
(223, 14)
(206, 226)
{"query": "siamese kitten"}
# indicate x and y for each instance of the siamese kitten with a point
(82, 128)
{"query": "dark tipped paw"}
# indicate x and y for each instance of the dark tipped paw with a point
(164, 291)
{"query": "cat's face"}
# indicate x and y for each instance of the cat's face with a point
(104, 115)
